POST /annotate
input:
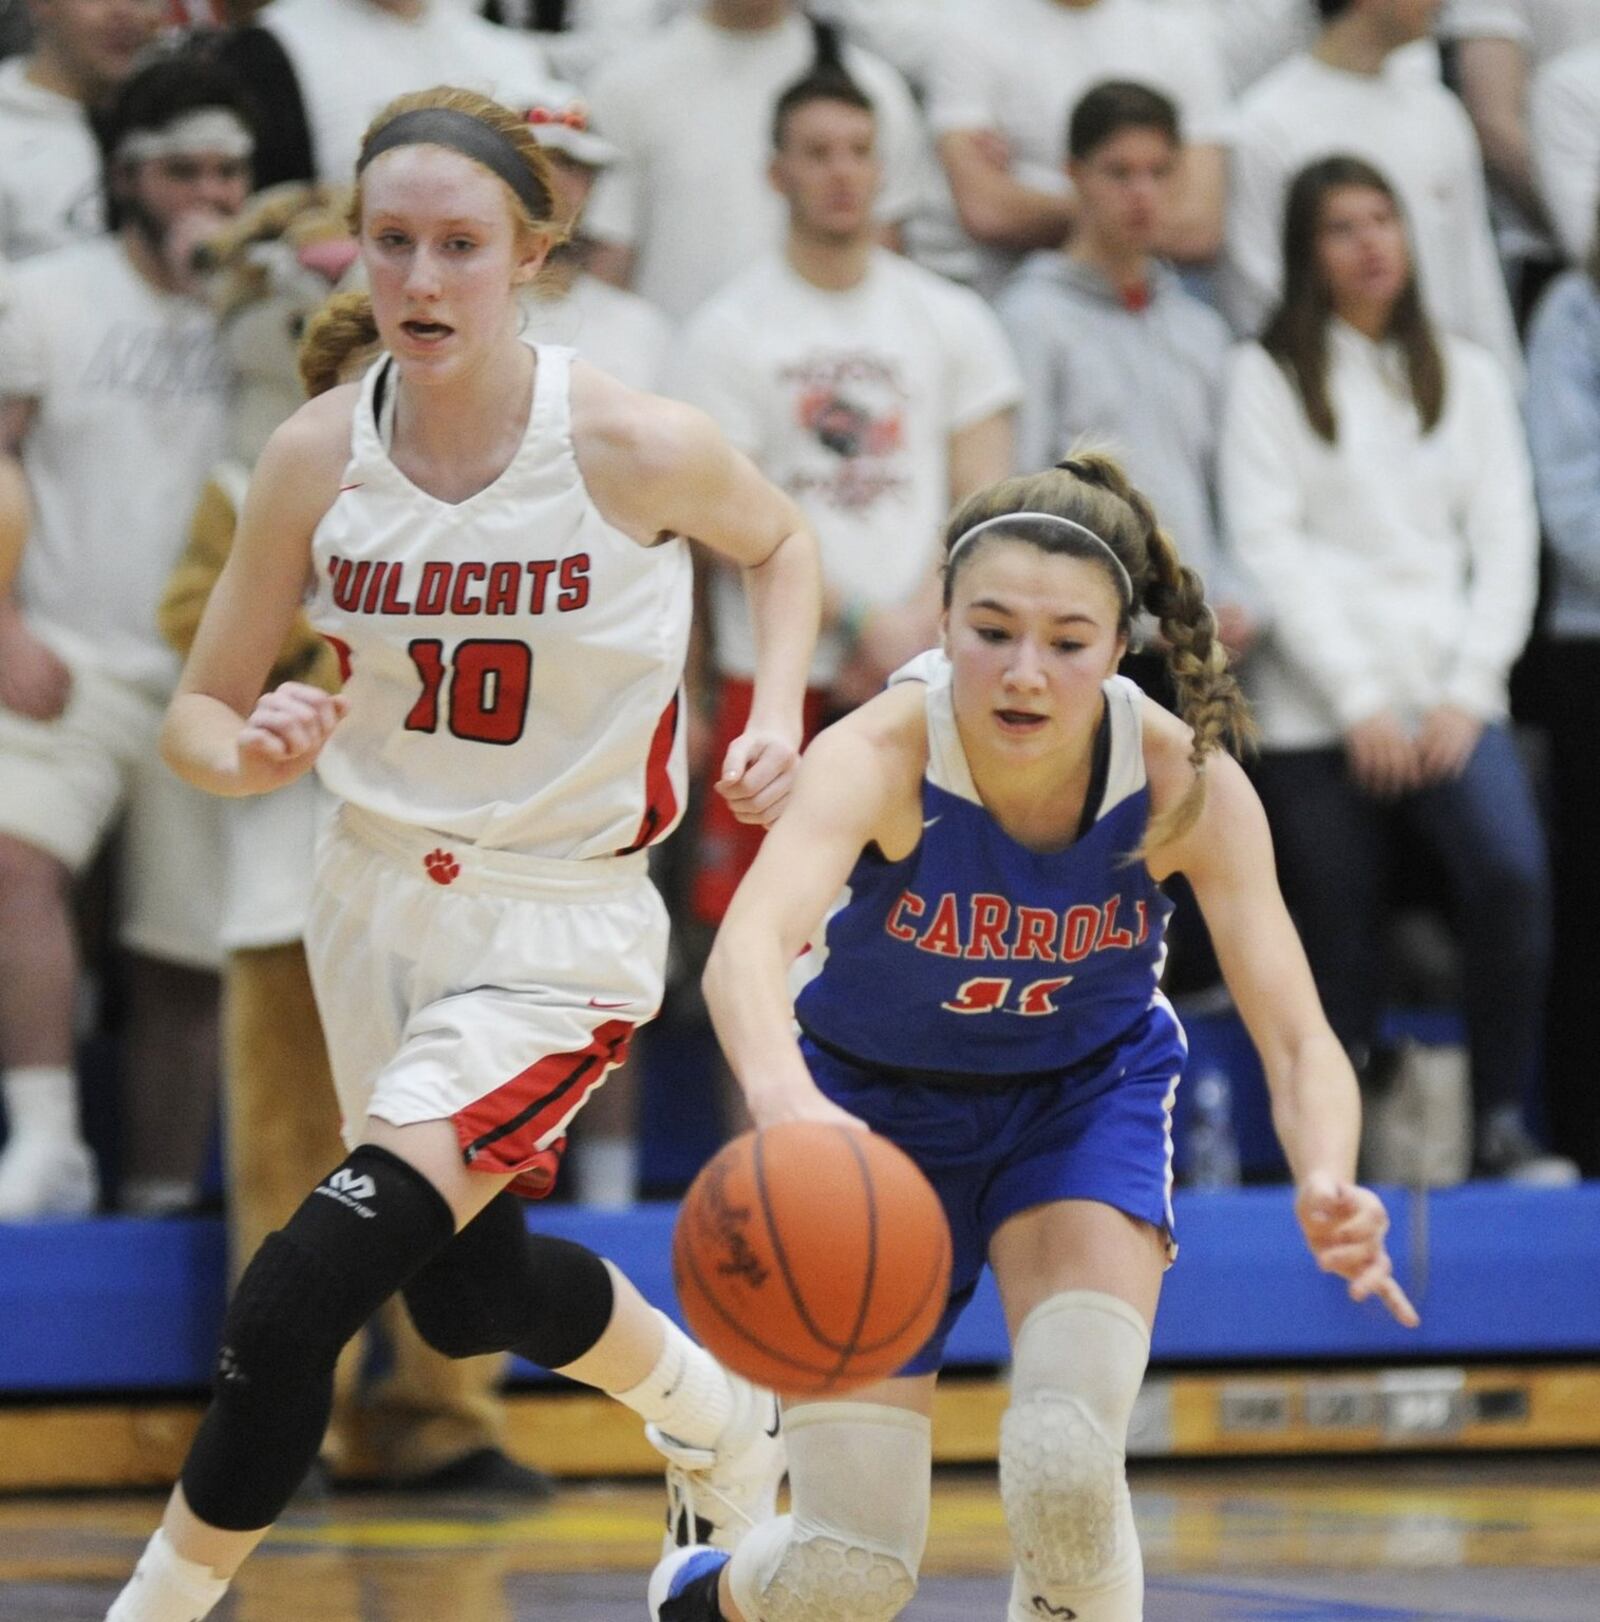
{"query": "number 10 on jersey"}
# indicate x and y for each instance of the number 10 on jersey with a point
(489, 682)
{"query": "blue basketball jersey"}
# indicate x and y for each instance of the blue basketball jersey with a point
(977, 957)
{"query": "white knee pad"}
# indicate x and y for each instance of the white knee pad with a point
(1077, 1367)
(849, 1549)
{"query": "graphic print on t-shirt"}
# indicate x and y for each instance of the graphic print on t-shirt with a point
(852, 406)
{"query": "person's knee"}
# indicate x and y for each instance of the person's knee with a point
(851, 1547)
(312, 1284)
(316, 1281)
(496, 1288)
(1079, 1361)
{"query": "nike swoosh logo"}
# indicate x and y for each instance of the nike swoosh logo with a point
(595, 1002)
(777, 1422)
(928, 822)
(356, 486)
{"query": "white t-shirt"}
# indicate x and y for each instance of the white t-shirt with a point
(351, 57)
(1543, 28)
(132, 389)
(619, 332)
(49, 168)
(691, 109)
(1021, 66)
(1414, 132)
(1396, 569)
(1564, 119)
(847, 400)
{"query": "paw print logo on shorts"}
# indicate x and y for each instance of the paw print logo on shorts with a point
(442, 867)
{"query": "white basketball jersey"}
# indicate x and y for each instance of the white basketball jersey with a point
(514, 661)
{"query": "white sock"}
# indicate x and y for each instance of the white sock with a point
(42, 1103)
(687, 1393)
(604, 1169)
(167, 1588)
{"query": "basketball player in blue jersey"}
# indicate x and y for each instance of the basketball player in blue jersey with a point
(974, 859)
(489, 534)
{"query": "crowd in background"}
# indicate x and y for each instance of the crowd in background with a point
(1323, 273)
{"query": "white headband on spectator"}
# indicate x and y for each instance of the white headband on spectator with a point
(207, 129)
(1011, 520)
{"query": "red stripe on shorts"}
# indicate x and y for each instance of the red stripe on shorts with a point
(660, 803)
(500, 1132)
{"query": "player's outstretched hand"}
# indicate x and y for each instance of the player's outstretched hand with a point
(757, 776)
(286, 732)
(1344, 1225)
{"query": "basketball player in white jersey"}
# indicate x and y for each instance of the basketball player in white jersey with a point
(490, 535)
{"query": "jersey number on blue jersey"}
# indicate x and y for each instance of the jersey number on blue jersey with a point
(991, 994)
(489, 685)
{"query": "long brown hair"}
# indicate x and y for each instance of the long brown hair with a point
(1091, 489)
(1297, 335)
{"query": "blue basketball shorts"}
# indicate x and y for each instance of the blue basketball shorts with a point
(999, 1148)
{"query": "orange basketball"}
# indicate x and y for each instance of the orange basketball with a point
(812, 1258)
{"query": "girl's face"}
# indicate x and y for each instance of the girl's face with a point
(1361, 248)
(443, 253)
(1031, 636)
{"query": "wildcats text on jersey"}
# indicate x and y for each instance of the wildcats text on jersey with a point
(994, 927)
(465, 588)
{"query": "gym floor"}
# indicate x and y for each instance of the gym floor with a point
(1461, 1539)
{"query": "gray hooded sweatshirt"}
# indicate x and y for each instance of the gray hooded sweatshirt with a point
(1144, 384)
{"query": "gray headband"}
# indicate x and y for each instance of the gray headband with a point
(1124, 580)
(471, 137)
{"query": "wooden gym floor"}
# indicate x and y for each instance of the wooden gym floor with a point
(1460, 1539)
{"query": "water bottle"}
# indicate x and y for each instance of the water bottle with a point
(1213, 1148)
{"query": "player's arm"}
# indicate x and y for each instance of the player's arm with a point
(656, 466)
(222, 733)
(851, 781)
(1316, 1106)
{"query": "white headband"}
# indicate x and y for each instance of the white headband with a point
(207, 129)
(1010, 520)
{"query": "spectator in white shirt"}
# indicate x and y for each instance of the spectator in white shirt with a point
(1500, 46)
(1564, 112)
(351, 57)
(1353, 94)
(112, 396)
(1376, 483)
(1007, 77)
(618, 331)
(871, 390)
(49, 164)
(689, 204)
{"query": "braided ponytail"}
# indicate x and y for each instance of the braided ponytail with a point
(1208, 694)
(336, 335)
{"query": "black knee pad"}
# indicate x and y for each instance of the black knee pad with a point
(352, 1243)
(498, 1288)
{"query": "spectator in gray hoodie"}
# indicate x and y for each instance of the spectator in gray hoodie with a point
(1563, 411)
(1112, 348)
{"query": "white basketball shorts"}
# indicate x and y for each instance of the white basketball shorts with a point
(491, 989)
